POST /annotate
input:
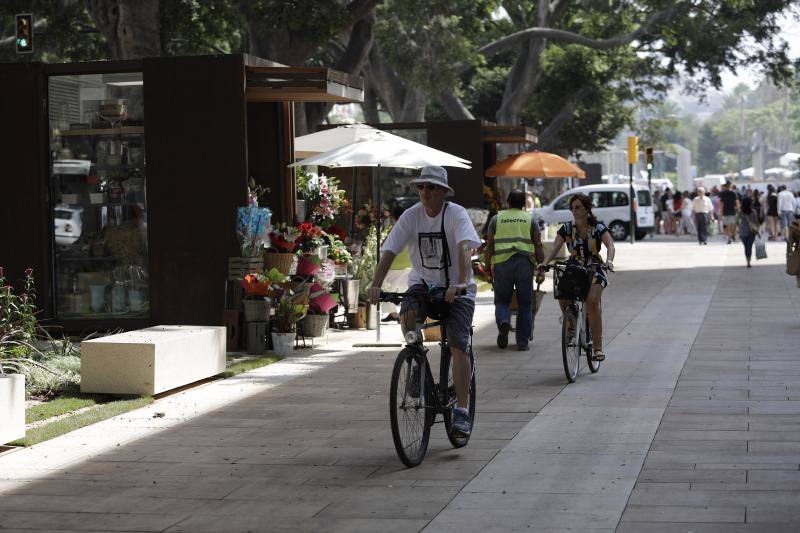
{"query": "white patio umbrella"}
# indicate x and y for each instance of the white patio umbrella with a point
(382, 149)
(325, 140)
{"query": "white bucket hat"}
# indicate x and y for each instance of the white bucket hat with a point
(435, 175)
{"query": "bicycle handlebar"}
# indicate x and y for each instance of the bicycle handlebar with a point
(601, 266)
(436, 295)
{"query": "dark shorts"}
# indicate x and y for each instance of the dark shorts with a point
(458, 317)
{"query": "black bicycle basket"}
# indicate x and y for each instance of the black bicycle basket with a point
(572, 282)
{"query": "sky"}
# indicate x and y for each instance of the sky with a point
(791, 33)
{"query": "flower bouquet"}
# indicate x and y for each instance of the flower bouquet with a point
(309, 237)
(340, 255)
(368, 214)
(252, 229)
(255, 285)
(324, 195)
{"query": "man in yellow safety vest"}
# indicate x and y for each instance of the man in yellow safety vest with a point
(513, 248)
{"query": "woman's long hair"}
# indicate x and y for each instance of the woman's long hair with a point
(677, 201)
(587, 205)
(747, 204)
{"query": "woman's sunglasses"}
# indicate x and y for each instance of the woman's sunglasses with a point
(429, 186)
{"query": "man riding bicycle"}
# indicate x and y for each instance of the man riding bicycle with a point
(436, 232)
(583, 237)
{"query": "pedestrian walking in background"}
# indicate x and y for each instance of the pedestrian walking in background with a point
(657, 214)
(748, 227)
(785, 210)
(772, 212)
(513, 248)
(758, 207)
(685, 222)
(797, 205)
(676, 210)
(729, 200)
(702, 209)
(665, 200)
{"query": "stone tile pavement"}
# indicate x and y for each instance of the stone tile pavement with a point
(691, 425)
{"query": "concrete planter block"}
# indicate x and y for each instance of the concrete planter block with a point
(12, 407)
(152, 360)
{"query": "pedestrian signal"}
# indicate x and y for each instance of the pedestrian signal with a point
(633, 149)
(648, 157)
(24, 40)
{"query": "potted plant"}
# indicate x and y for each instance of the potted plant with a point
(365, 271)
(17, 327)
(288, 312)
(340, 255)
(256, 287)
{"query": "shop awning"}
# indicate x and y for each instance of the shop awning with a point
(302, 84)
(493, 133)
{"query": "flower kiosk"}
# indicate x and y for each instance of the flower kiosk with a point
(123, 179)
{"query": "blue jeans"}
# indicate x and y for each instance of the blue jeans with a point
(747, 240)
(516, 271)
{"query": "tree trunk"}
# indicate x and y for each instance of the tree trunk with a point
(402, 102)
(129, 26)
(352, 61)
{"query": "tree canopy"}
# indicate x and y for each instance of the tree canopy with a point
(575, 70)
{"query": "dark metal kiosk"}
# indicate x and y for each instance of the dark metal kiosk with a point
(120, 180)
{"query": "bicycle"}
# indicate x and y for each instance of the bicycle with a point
(574, 287)
(414, 397)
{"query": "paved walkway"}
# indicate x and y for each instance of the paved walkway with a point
(691, 425)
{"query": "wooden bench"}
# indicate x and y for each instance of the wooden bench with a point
(12, 407)
(152, 360)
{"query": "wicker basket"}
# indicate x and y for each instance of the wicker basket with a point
(314, 325)
(255, 310)
(281, 262)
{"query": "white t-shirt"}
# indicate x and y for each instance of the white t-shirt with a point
(785, 201)
(421, 234)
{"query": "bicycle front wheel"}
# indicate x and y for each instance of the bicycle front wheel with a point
(594, 366)
(450, 401)
(571, 343)
(410, 407)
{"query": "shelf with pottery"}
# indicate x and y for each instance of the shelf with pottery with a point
(92, 132)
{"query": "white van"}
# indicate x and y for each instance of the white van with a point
(610, 206)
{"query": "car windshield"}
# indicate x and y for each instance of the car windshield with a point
(63, 214)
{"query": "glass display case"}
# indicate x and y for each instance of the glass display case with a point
(98, 195)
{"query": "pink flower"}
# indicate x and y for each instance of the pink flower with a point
(2, 272)
(29, 272)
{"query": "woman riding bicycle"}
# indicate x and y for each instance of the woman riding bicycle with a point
(584, 237)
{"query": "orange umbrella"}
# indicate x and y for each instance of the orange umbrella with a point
(535, 165)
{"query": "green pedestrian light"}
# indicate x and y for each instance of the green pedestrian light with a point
(24, 40)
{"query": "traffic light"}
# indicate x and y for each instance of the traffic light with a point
(633, 149)
(25, 34)
(648, 157)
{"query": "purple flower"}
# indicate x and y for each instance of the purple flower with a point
(29, 272)
(2, 272)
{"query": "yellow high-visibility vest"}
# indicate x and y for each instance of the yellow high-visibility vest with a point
(512, 236)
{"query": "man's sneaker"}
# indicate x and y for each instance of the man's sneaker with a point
(461, 426)
(523, 347)
(413, 381)
(502, 337)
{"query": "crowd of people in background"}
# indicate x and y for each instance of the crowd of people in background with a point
(677, 212)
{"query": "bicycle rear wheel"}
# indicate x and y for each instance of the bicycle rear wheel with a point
(571, 344)
(410, 407)
(450, 401)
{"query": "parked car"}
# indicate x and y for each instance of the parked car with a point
(610, 205)
(68, 224)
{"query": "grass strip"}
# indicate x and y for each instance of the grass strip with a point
(57, 406)
(249, 364)
(71, 423)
